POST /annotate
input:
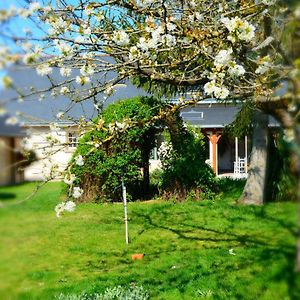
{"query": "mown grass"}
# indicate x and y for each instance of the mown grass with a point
(186, 247)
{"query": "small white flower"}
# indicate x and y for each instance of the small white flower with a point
(269, 2)
(69, 179)
(87, 31)
(121, 38)
(64, 206)
(11, 121)
(223, 57)
(43, 70)
(27, 144)
(236, 70)
(87, 70)
(59, 208)
(65, 49)
(79, 160)
(70, 206)
(65, 72)
(82, 80)
(210, 87)
(64, 90)
(99, 16)
(89, 10)
(134, 53)
(34, 6)
(77, 192)
(169, 40)
(60, 114)
(221, 92)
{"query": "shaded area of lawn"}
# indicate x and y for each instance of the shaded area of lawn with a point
(186, 248)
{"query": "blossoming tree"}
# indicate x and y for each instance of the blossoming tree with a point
(238, 50)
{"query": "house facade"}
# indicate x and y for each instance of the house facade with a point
(225, 155)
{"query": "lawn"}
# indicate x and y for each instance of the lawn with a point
(186, 245)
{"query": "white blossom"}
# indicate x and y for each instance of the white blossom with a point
(64, 206)
(59, 208)
(34, 6)
(169, 40)
(60, 114)
(210, 87)
(134, 53)
(121, 38)
(144, 3)
(27, 144)
(64, 90)
(77, 192)
(65, 49)
(223, 57)
(89, 10)
(65, 72)
(70, 206)
(82, 80)
(12, 121)
(221, 92)
(79, 160)
(87, 70)
(43, 70)
(87, 30)
(236, 70)
(69, 179)
(99, 16)
(241, 28)
(269, 2)
(264, 65)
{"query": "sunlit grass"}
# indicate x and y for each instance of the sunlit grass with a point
(186, 247)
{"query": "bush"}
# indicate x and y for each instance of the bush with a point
(184, 168)
(124, 154)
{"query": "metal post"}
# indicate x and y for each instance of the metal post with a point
(125, 210)
(246, 154)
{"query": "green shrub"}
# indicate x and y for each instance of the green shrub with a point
(184, 167)
(123, 155)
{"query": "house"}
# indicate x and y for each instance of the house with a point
(11, 136)
(38, 115)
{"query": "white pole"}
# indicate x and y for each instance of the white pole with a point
(246, 154)
(236, 155)
(236, 149)
(125, 210)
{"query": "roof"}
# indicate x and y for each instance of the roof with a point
(44, 111)
(210, 115)
(207, 113)
(7, 130)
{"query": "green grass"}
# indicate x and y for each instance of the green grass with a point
(186, 247)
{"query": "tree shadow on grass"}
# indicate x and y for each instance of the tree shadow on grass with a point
(269, 252)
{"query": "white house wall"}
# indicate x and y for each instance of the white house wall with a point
(60, 156)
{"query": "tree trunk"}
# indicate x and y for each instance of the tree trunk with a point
(255, 188)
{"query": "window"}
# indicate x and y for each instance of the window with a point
(72, 139)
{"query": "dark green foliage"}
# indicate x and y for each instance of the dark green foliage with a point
(241, 126)
(184, 167)
(124, 155)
